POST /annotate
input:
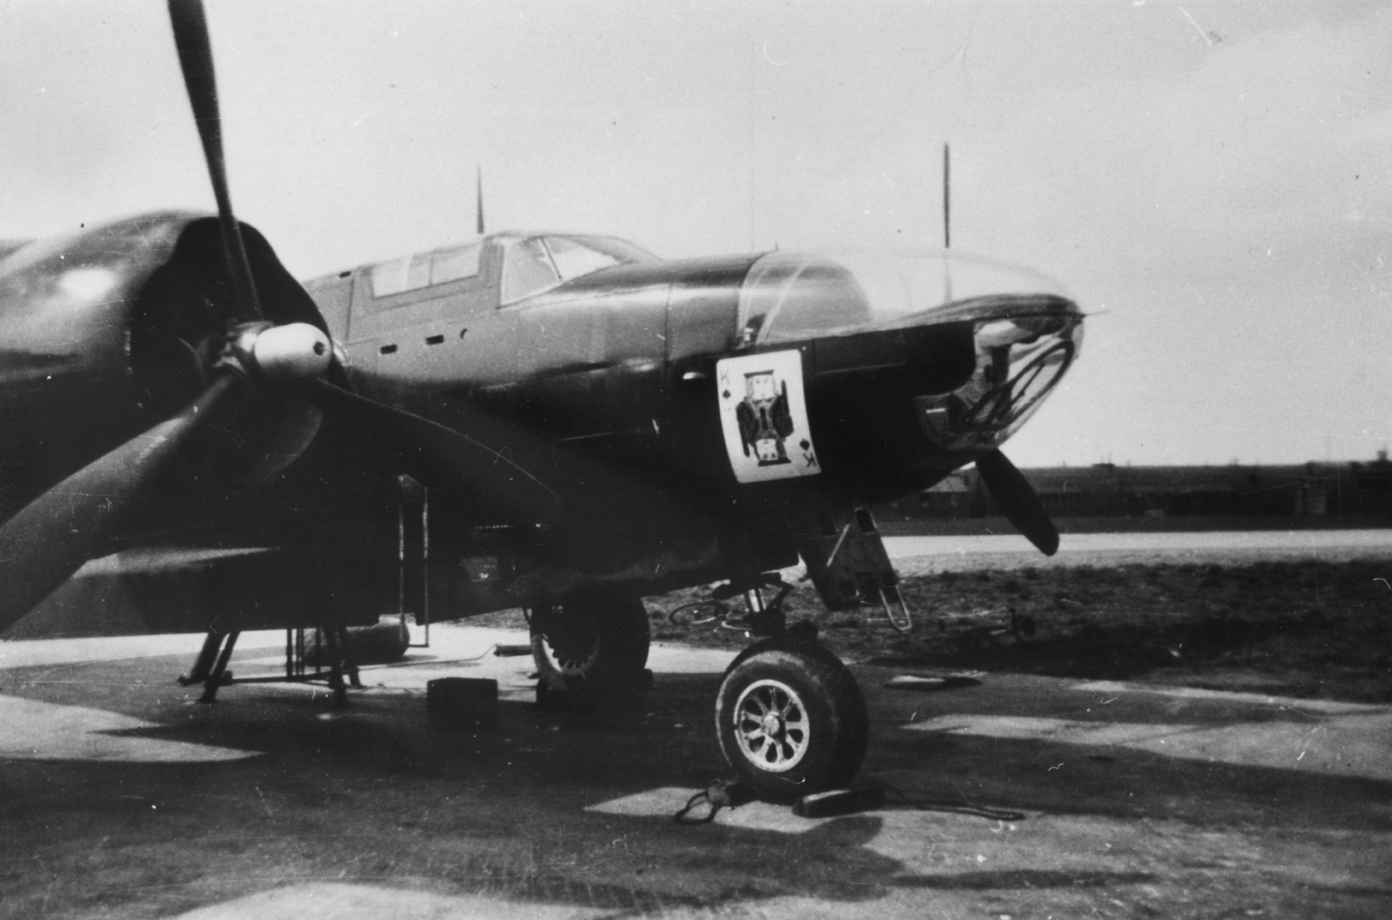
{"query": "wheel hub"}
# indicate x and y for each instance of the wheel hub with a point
(573, 644)
(772, 728)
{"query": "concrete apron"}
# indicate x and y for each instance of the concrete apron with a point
(1136, 801)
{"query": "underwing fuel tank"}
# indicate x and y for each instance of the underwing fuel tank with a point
(876, 373)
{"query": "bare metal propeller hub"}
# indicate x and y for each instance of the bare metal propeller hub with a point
(279, 354)
(295, 351)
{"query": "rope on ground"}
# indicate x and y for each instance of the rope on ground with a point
(960, 808)
(702, 807)
(719, 794)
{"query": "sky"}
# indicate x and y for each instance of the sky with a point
(1212, 181)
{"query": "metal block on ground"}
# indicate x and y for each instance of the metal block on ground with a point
(463, 702)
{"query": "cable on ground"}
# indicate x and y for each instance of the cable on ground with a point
(962, 808)
(719, 794)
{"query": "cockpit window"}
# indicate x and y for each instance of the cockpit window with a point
(536, 264)
(573, 260)
(396, 276)
(448, 263)
(527, 269)
(821, 295)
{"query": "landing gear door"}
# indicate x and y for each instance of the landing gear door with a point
(847, 561)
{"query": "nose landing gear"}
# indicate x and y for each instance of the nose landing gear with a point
(789, 716)
(790, 719)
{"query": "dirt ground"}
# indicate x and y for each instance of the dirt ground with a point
(1320, 630)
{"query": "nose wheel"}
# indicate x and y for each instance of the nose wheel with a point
(771, 726)
(791, 720)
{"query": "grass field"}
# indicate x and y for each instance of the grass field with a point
(899, 525)
(1305, 629)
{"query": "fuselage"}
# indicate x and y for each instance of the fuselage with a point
(682, 410)
(902, 368)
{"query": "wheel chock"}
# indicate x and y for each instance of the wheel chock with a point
(839, 802)
(462, 702)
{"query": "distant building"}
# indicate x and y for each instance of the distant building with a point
(1320, 489)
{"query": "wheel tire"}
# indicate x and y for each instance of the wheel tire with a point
(791, 720)
(591, 641)
(380, 644)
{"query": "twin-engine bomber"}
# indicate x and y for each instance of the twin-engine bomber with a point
(556, 422)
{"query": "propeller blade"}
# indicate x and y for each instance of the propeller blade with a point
(1017, 499)
(190, 26)
(493, 476)
(53, 535)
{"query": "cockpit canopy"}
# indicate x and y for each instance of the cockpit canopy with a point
(424, 269)
(530, 263)
(790, 297)
(533, 264)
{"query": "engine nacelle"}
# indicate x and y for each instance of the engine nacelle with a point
(107, 331)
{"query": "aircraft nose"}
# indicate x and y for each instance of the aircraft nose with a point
(967, 346)
(1022, 344)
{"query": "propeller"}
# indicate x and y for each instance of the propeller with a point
(190, 25)
(54, 534)
(487, 470)
(42, 545)
(1017, 499)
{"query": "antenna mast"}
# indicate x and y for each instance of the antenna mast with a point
(478, 192)
(947, 222)
(947, 197)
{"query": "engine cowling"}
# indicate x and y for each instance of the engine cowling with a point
(110, 329)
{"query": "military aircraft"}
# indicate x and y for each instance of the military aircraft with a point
(557, 422)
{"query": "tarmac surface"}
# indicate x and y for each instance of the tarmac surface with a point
(120, 797)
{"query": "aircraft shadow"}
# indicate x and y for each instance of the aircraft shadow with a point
(1038, 775)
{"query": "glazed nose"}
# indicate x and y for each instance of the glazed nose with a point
(1022, 347)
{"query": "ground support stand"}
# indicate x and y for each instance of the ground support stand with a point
(210, 668)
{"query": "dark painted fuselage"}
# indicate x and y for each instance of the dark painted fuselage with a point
(622, 364)
(684, 411)
(609, 386)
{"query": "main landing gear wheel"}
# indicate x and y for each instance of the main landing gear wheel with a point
(791, 720)
(592, 641)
